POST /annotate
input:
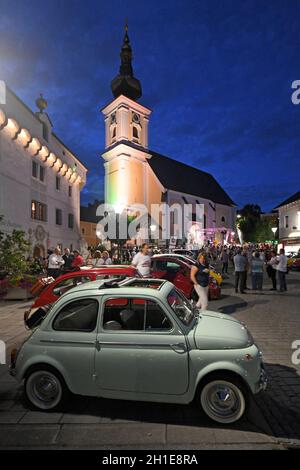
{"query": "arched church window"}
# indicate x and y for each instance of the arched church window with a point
(135, 132)
(223, 219)
(114, 133)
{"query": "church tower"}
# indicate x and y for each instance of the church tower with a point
(126, 137)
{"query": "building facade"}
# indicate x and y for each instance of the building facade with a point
(134, 174)
(88, 223)
(289, 223)
(40, 178)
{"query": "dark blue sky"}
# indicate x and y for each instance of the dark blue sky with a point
(217, 74)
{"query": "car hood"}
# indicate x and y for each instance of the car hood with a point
(219, 331)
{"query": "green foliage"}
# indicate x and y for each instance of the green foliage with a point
(13, 254)
(256, 228)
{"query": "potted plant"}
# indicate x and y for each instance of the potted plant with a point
(15, 266)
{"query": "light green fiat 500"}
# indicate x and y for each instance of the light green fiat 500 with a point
(139, 339)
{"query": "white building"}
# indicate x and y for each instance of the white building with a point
(135, 174)
(40, 178)
(289, 223)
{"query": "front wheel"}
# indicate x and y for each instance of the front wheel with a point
(45, 389)
(224, 401)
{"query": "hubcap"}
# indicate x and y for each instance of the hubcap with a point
(223, 401)
(44, 389)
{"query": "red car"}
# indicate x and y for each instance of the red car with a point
(63, 283)
(178, 272)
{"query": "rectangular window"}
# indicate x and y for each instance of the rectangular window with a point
(58, 216)
(57, 183)
(42, 173)
(286, 221)
(70, 191)
(34, 169)
(71, 221)
(38, 211)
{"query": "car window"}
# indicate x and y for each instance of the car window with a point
(66, 284)
(79, 315)
(156, 319)
(137, 314)
(172, 266)
(181, 306)
(160, 266)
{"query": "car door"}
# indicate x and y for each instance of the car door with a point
(70, 338)
(139, 348)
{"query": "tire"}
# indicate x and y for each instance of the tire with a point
(45, 389)
(223, 399)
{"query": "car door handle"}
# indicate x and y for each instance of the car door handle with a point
(178, 347)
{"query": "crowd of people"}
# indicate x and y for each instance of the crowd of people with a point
(248, 263)
(251, 262)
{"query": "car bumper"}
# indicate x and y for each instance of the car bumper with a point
(263, 380)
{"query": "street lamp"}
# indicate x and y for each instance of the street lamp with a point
(274, 230)
(118, 210)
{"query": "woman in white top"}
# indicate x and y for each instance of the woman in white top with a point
(97, 260)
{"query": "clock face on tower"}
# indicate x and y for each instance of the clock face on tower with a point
(136, 118)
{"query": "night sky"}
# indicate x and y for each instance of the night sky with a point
(217, 75)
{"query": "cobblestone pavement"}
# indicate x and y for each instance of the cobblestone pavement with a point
(274, 416)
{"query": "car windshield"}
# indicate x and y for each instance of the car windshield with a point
(181, 306)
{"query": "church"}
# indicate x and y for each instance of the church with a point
(135, 174)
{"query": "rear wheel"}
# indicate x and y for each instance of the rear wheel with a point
(223, 399)
(45, 389)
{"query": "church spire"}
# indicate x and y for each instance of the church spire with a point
(125, 83)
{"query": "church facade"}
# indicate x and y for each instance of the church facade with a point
(135, 174)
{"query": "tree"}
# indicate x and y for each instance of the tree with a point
(249, 221)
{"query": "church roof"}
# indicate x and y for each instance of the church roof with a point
(183, 178)
(295, 197)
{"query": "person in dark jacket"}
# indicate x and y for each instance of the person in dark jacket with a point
(200, 279)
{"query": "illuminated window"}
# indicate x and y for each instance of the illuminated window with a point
(38, 211)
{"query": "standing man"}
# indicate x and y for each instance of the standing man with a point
(240, 266)
(142, 261)
(272, 269)
(225, 259)
(257, 266)
(68, 258)
(282, 270)
(200, 279)
(55, 263)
